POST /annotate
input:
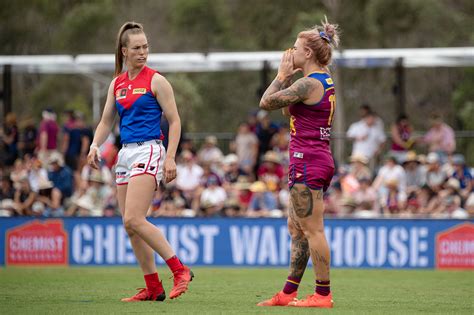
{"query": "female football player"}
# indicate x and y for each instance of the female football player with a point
(141, 95)
(310, 102)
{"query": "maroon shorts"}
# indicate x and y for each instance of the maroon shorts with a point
(314, 176)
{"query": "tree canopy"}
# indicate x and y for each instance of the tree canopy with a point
(218, 101)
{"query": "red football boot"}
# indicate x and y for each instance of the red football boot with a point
(279, 299)
(181, 281)
(315, 300)
(145, 295)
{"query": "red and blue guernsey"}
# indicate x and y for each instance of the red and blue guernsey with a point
(139, 111)
(311, 160)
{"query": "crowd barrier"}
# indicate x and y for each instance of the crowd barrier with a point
(371, 243)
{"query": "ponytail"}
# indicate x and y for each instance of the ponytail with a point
(122, 41)
(322, 40)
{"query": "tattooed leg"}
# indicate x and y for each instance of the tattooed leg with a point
(299, 254)
(299, 250)
(309, 208)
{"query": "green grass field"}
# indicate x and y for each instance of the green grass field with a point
(97, 290)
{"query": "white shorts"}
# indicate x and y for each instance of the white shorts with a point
(140, 158)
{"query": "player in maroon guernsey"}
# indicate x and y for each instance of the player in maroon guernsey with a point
(310, 102)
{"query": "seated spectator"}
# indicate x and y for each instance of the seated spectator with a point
(157, 200)
(36, 174)
(348, 181)
(334, 201)
(24, 197)
(463, 175)
(359, 167)
(232, 171)
(6, 188)
(81, 207)
(392, 200)
(242, 192)
(110, 211)
(7, 208)
(270, 171)
(449, 201)
(365, 199)
(171, 203)
(280, 143)
(469, 205)
(187, 145)
(209, 152)
(18, 172)
(262, 201)
(105, 173)
(48, 200)
(440, 137)
(419, 201)
(391, 173)
(207, 174)
(435, 177)
(232, 208)
(61, 175)
(415, 173)
(448, 167)
(93, 201)
(213, 198)
(188, 176)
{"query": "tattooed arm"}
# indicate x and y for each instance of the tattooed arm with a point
(285, 111)
(273, 98)
(281, 91)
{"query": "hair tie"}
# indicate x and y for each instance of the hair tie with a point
(325, 36)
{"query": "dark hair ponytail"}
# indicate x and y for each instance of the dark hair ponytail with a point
(122, 41)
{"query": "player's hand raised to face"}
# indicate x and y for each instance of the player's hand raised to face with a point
(286, 69)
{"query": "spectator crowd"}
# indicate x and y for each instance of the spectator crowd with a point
(44, 172)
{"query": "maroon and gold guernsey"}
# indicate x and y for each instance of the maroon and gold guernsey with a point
(311, 159)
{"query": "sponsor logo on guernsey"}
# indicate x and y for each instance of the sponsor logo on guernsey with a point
(329, 81)
(298, 155)
(139, 91)
(121, 94)
(325, 133)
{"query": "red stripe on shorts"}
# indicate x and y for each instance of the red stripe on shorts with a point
(149, 159)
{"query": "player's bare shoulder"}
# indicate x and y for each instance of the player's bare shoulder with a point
(160, 84)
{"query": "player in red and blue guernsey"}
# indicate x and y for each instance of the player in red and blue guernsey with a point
(310, 102)
(140, 95)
